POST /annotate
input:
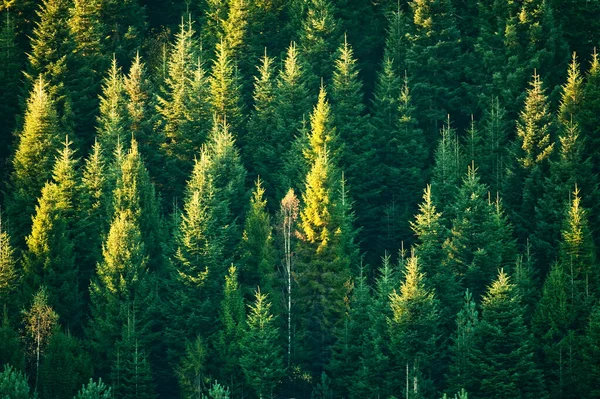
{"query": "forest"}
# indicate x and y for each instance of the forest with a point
(363, 199)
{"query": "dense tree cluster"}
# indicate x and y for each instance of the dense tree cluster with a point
(304, 198)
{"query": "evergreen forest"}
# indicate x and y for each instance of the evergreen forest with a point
(311, 199)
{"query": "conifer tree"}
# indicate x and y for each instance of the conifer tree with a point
(257, 253)
(432, 63)
(119, 289)
(130, 372)
(11, 344)
(9, 274)
(413, 328)
(259, 145)
(463, 353)
(13, 384)
(572, 94)
(51, 55)
(531, 156)
(93, 390)
(262, 360)
(319, 37)
(592, 351)
(235, 29)
(94, 209)
(213, 27)
(183, 111)
(134, 192)
(229, 339)
(49, 259)
(589, 109)
(225, 89)
(90, 59)
(32, 162)
(124, 26)
(141, 115)
(192, 369)
(65, 366)
(480, 239)
(447, 170)
(112, 120)
(11, 61)
(491, 157)
(506, 365)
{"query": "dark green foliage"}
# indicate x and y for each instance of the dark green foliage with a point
(93, 390)
(11, 346)
(13, 384)
(65, 367)
(506, 364)
(262, 358)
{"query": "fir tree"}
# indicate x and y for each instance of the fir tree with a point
(192, 369)
(413, 328)
(447, 170)
(319, 37)
(32, 162)
(9, 274)
(262, 360)
(257, 253)
(506, 366)
(11, 345)
(230, 337)
(225, 89)
(112, 121)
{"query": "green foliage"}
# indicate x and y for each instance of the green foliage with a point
(225, 89)
(413, 327)
(93, 390)
(13, 384)
(11, 345)
(193, 367)
(112, 124)
(9, 276)
(32, 162)
(506, 365)
(262, 359)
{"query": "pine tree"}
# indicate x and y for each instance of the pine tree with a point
(51, 56)
(506, 367)
(319, 37)
(413, 329)
(225, 89)
(112, 121)
(13, 384)
(120, 287)
(134, 192)
(11, 61)
(183, 111)
(257, 253)
(65, 367)
(480, 240)
(229, 339)
(49, 259)
(93, 390)
(9, 274)
(259, 145)
(90, 59)
(32, 162)
(531, 152)
(262, 360)
(463, 350)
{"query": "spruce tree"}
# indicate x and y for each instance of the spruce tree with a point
(257, 255)
(119, 289)
(319, 37)
(51, 56)
(262, 359)
(33, 158)
(183, 112)
(229, 339)
(491, 157)
(9, 273)
(11, 345)
(447, 170)
(463, 355)
(480, 240)
(531, 156)
(506, 365)
(65, 367)
(413, 328)
(225, 89)
(112, 120)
